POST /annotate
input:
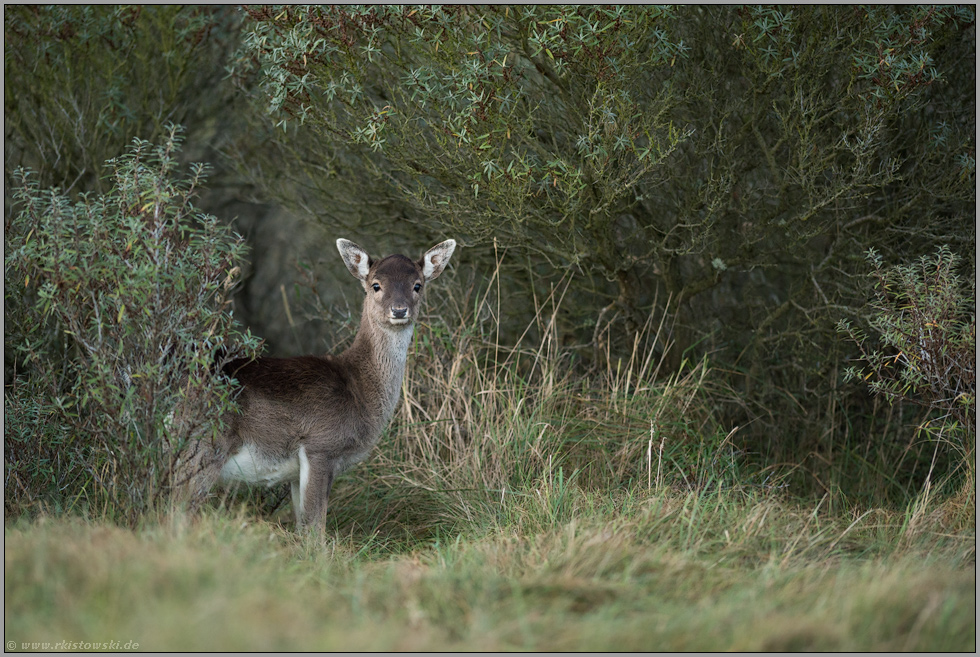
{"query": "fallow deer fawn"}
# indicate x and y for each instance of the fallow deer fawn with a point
(307, 419)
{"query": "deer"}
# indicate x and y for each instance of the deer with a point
(306, 419)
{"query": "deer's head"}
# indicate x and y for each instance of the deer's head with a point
(394, 285)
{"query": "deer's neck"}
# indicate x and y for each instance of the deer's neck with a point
(379, 355)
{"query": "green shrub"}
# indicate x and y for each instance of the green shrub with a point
(925, 353)
(728, 165)
(81, 81)
(673, 146)
(117, 308)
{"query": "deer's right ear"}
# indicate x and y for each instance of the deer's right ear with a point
(355, 258)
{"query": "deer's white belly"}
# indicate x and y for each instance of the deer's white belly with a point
(252, 466)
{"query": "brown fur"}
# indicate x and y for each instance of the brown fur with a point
(306, 419)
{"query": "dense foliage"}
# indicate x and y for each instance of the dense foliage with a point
(81, 82)
(926, 323)
(730, 165)
(117, 307)
(693, 189)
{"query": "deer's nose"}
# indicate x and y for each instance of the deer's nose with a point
(399, 313)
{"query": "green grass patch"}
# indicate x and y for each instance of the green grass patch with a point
(660, 571)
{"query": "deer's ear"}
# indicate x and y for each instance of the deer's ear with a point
(356, 259)
(436, 259)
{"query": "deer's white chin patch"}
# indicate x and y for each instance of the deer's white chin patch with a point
(399, 322)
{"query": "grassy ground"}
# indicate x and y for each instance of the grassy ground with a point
(517, 504)
(659, 571)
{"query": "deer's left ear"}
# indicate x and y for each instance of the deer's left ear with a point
(436, 259)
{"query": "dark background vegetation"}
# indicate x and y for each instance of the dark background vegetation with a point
(720, 172)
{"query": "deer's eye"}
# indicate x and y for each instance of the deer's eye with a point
(418, 286)
(376, 287)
